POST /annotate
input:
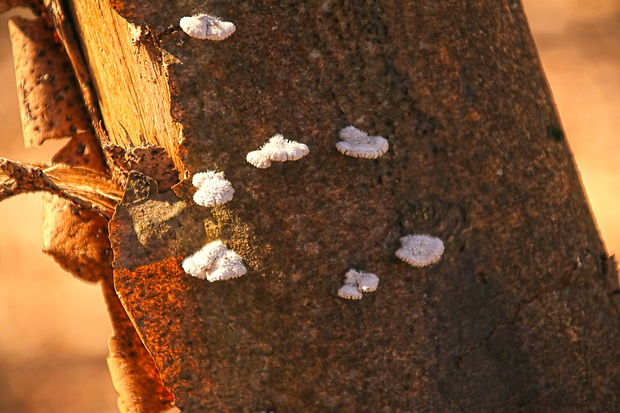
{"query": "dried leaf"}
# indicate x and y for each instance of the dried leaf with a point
(51, 103)
(77, 238)
(6, 5)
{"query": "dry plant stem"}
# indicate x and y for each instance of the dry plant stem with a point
(81, 186)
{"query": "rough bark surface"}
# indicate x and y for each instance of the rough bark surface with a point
(133, 372)
(518, 314)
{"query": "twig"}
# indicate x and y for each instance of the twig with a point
(82, 186)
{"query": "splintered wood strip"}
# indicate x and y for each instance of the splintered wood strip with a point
(80, 185)
(66, 32)
(50, 100)
(86, 185)
(127, 67)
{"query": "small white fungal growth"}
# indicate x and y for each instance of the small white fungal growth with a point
(230, 265)
(214, 262)
(213, 189)
(359, 144)
(367, 283)
(420, 250)
(356, 283)
(201, 262)
(277, 149)
(350, 292)
(205, 27)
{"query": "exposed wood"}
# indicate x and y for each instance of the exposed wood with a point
(130, 79)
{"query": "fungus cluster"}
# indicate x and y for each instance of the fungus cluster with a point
(356, 283)
(214, 262)
(205, 27)
(277, 149)
(213, 188)
(420, 250)
(359, 144)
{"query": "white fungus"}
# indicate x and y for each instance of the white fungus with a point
(205, 27)
(350, 292)
(359, 144)
(420, 250)
(214, 262)
(277, 149)
(356, 283)
(228, 266)
(213, 188)
(199, 263)
(367, 283)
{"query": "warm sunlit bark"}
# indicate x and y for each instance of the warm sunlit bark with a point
(518, 313)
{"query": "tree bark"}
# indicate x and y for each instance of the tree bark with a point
(520, 312)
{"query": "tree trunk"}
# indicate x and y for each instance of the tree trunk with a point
(519, 313)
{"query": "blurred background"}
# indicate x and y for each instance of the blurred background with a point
(54, 329)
